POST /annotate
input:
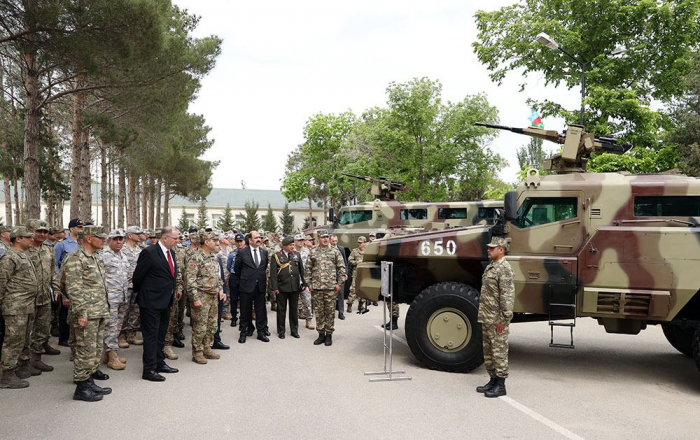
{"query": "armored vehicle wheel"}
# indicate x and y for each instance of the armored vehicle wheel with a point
(680, 338)
(696, 348)
(441, 327)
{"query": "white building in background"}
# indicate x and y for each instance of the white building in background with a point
(216, 204)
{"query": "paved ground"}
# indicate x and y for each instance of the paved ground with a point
(610, 386)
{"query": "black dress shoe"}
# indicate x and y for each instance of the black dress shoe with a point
(179, 336)
(295, 335)
(341, 316)
(262, 337)
(234, 322)
(153, 376)
(250, 332)
(241, 340)
(280, 335)
(99, 375)
(63, 344)
(266, 333)
(165, 368)
(177, 343)
(218, 345)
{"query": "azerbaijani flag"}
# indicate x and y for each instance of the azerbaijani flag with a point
(535, 119)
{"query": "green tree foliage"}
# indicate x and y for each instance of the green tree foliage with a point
(183, 224)
(226, 222)
(287, 220)
(658, 38)
(251, 219)
(269, 221)
(532, 155)
(202, 215)
(307, 223)
(685, 131)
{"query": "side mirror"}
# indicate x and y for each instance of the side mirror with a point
(511, 205)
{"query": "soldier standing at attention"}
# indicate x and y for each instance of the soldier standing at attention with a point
(305, 311)
(131, 324)
(4, 244)
(63, 248)
(44, 262)
(174, 336)
(325, 274)
(495, 313)
(86, 288)
(117, 278)
(203, 280)
(286, 280)
(18, 290)
(355, 258)
(239, 243)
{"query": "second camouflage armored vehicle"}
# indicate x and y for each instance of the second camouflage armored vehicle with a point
(622, 249)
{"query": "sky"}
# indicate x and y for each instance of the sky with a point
(285, 61)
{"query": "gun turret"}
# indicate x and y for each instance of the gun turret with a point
(382, 188)
(578, 146)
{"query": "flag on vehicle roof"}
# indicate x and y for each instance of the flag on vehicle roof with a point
(535, 119)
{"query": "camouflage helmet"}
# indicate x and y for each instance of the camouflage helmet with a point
(498, 241)
(20, 231)
(37, 225)
(94, 230)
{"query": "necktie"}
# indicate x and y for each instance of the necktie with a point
(255, 257)
(170, 263)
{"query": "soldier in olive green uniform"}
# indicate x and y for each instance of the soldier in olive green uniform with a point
(325, 273)
(356, 258)
(495, 313)
(18, 290)
(177, 308)
(44, 261)
(204, 287)
(286, 281)
(131, 323)
(85, 286)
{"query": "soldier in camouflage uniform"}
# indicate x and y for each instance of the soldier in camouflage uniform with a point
(4, 244)
(356, 258)
(86, 287)
(495, 312)
(174, 336)
(18, 291)
(223, 256)
(305, 311)
(325, 274)
(131, 324)
(44, 263)
(117, 278)
(203, 278)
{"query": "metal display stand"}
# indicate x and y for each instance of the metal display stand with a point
(388, 292)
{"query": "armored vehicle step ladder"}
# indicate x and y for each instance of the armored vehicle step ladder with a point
(562, 312)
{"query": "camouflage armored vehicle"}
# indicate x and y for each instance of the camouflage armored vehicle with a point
(622, 249)
(385, 214)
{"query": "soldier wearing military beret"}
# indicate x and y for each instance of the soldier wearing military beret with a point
(286, 281)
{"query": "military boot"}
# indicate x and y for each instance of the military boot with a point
(498, 390)
(198, 357)
(321, 338)
(84, 392)
(113, 361)
(122, 341)
(98, 389)
(10, 380)
(393, 324)
(169, 353)
(131, 338)
(23, 370)
(121, 359)
(210, 354)
(488, 386)
(349, 309)
(310, 324)
(329, 339)
(49, 350)
(38, 364)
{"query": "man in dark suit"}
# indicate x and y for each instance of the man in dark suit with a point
(249, 279)
(286, 281)
(341, 294)
(154, 284)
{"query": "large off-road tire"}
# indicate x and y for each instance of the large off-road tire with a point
(442, 329)
(681, 338)
(696, 348)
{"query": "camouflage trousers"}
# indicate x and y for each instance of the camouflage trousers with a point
(17, 331)
(40, 329)
(495, 351)
(353, 296)
(131, 319)
(324, 305)
(177, 320)
(305, 311)
(117, 312)
(394, 308)
(204, 322)
(88, 347)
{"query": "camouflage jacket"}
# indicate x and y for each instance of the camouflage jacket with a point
(180, 252)
(85, 285)
(18, 283)
(203, 275)
(497, 293)
(355, 258)
(325, 268)
(116, 275)
(132, 255)
(304, 254)
(3, 249)
(44, 262)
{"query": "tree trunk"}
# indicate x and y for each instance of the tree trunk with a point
(103, 186)
(144, 202)
(151, 203)
(311, 218)
(121, 201)
(77, 150)
(159, 197)
(132, 202)
(8, 200)
(32, 128)
(166, 204)
(18, 207)
(84, 183)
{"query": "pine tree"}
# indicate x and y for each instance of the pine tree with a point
(182, 223)
(202, 216)
(251, 219)
(269, 220)
(226, 222)
(306, 225)
(287, 220)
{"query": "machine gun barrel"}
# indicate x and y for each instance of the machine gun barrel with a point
(369, 179)
(540, 133)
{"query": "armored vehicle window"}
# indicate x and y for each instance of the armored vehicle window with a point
(414, 214)
(667, 206)
(542, 210)
(487, 213)
(350, 217)
(452, 213)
